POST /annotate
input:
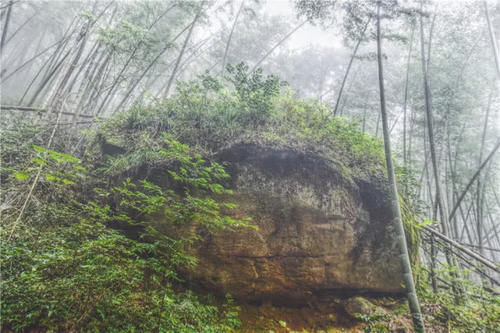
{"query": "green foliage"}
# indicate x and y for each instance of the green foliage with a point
(479, 311)
(320, 10)
(355, 14)
(101, 265)
(55, 167)
(254, 92)
(313, 123)
(58, 167)
(376, 323)
(210, 113)
(17, 146)
(89, 253)
(89, 277)
(411, 226)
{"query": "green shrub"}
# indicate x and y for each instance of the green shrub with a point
(77, 269)
(211, 113)
(84, 256)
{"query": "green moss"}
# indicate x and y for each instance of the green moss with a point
(412, 231)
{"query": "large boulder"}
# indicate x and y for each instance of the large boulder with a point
(320, 230)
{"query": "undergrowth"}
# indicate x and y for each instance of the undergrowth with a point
(212, 113)
(83, 254)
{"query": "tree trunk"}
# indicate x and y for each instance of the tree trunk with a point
(479, 202)
(396, 210)
(492, 39)
(20, 28)
(433, 265)
(224, 58)
(442, 204)
(473, 179)
(276, 46)
(443, 211)
(58, 94)
(30, 60)
(405, 104)
(116, 81)
(470, 253)
(353, 56)
(47, 79)
(6, 26)
(181, 54)
(148, 68)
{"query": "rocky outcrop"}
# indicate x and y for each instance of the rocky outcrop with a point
(320, 230)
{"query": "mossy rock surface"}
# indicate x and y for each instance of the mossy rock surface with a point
(320, 230)
(313, 185)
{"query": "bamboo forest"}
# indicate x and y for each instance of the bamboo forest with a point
(271, 166)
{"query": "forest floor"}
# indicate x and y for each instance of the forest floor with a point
(323, 317)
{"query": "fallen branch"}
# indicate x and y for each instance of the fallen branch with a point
(465, 250)
(484, 247)
(38, 110)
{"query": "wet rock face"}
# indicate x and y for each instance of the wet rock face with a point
(319, 232)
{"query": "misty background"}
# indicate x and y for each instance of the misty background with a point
(93, 59)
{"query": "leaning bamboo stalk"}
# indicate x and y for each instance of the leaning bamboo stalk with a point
(47, 79)
(443, 210)
(348, 70)
(37, 177)
(5, 27)
(151, 64)
(268, 53)
(20, 28)
(473, 179)
(493, 39)
(418, 322)
(31, 60)
(226, 50)
(181, 53)
(470, 253)
(15, 108)
(129, 60)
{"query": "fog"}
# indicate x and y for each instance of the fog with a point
(423, 76)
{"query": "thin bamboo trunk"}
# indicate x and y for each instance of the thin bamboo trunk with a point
(148, 68)
(443, 211)
(6, 27)
(405, 104)
(83, 67)
(93, 77)
(181, 53)
(463, 249)
(47, 79)
(254, 68)
(68, 34)
(349, 88)
(353, 56)
(473, 179)
(479, 202)
(433, 265)
(401, 239)
(441, 200)
(58, 94)
(20, 28)
(226, 51)
(117, 79)
(493, 39)
(30, 60)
